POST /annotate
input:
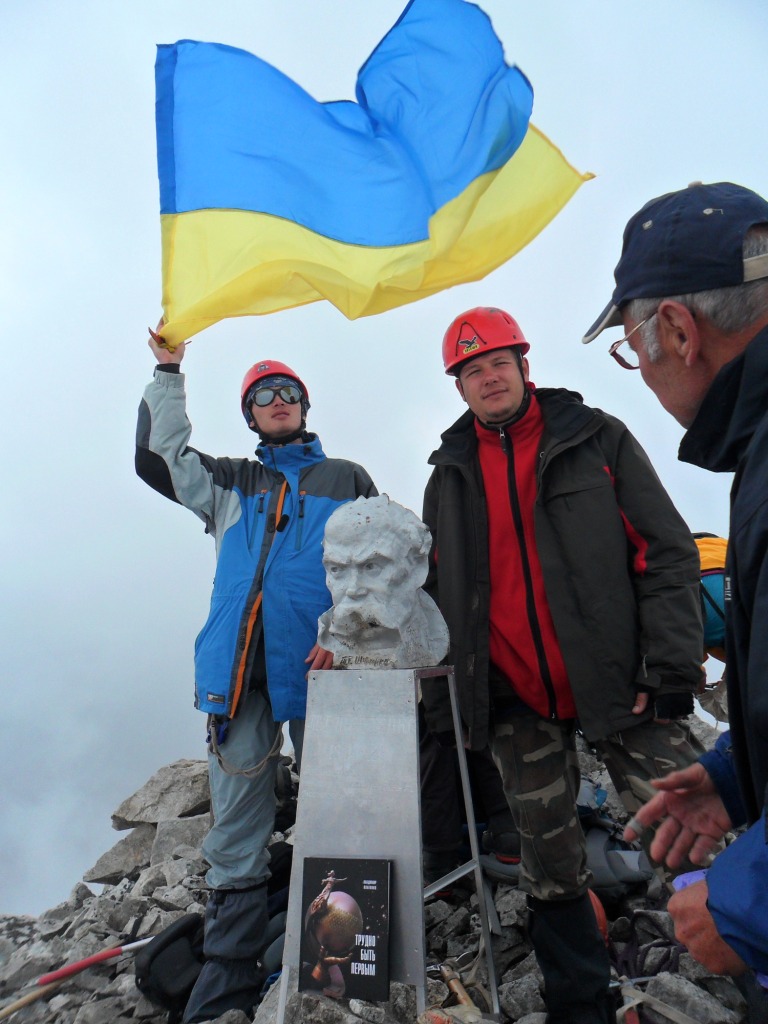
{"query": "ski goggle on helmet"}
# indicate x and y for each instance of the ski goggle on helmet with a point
(480, 330)
(264, 393)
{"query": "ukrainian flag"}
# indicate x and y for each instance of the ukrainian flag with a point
(270, 199)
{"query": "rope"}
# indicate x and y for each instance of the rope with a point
(249, 773)
(637, 998)
(631, 961)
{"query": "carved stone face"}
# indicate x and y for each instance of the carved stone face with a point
(375, 562)
(371, 576)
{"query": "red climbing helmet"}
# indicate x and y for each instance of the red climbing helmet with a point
(269, 368)
(479, 330)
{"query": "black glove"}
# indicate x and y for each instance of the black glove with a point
(673, 705)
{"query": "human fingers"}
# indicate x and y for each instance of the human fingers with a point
(318, 659)
(688, 778)
(677, 849)
(704, 850)
(155, 341)
(324, 660)
(651, 812)
(641, 703)
(164, 351)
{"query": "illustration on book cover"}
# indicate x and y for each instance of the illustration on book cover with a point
(345, 936)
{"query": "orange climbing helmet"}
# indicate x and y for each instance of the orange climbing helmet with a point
(480, 330)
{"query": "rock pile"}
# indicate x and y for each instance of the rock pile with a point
(155, 874)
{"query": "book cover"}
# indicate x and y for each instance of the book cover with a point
(345, 927)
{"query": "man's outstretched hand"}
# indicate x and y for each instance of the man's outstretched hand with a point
(691, 818)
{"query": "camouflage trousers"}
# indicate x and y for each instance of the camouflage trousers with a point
(648, 751)
(540, 772)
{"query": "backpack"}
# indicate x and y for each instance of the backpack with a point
(712, 552)
(167, 967)
(619, 868)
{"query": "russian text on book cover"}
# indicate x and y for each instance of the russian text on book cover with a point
(345, 937)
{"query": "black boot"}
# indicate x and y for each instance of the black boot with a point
(573, 959)
(235, 923)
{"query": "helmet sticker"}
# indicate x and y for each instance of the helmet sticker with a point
(468, 340)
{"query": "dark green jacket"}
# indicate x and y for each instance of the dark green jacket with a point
(620, 567)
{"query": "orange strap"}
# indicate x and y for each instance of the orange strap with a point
(253, 614)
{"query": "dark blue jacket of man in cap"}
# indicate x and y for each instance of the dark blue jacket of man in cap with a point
(691, 284)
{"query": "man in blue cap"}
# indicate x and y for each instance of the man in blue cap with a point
(692, 298)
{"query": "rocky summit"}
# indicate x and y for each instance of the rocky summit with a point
(155, 874)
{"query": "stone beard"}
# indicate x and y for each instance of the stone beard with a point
(375, 557)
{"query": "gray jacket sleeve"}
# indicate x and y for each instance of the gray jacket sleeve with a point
(164, 459)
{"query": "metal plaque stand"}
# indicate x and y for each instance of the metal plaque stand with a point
(359, 796)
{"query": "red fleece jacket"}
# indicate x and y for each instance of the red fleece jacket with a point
(523, 642)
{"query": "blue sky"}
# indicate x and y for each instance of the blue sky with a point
(105, 585)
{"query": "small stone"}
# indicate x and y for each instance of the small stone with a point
(521, 996)
(683, 995)
(367, 1011)
(435, 913)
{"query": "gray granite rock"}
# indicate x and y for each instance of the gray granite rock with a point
(682, 994)
(521, 996)
(179, 790)
(126, 858)
(178, 834)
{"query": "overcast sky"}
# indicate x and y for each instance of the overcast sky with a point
(106, 584)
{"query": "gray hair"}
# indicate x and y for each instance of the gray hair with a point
(729, 310)
(379, 515)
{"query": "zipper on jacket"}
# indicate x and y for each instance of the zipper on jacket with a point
(259, 510)
(300, 525)
(530, 603)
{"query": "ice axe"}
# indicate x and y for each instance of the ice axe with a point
(29, 997)
(463, 1011)
(46, 984)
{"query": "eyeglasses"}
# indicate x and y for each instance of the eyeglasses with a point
(613, 350)
(263, 396)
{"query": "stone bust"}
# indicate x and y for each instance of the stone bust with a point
(375, 556)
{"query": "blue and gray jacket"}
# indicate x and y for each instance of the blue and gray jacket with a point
(267, 518)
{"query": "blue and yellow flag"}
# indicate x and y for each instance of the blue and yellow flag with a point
(270, 199)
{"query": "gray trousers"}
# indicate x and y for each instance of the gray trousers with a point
(243, 806)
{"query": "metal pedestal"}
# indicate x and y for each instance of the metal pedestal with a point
(359, 796)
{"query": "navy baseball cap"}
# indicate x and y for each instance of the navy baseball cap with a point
(683, 242)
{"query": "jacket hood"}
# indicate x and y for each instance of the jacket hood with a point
(733, 407)
(564, 415)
